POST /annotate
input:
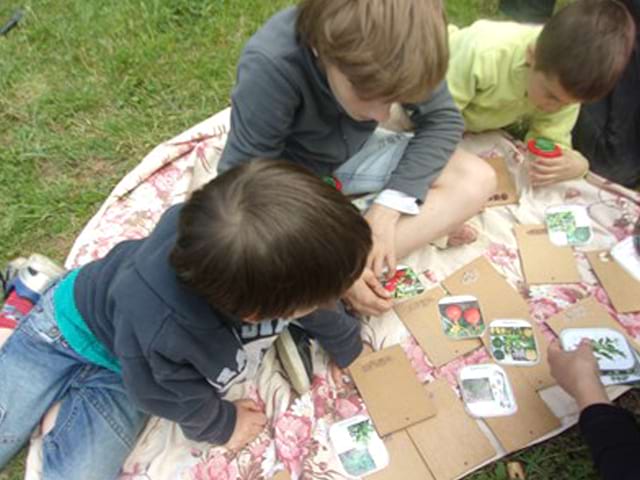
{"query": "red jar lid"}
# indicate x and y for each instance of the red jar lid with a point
(543, 147)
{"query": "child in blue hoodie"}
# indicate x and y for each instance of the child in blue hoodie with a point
(165, 325)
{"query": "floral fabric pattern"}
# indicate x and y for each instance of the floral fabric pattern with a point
(296, 437)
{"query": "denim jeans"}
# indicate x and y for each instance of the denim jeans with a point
(369, 170)
(97, 424)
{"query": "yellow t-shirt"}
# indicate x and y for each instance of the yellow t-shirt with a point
(487, 77)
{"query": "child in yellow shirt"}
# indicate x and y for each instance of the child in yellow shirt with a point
(503, 72)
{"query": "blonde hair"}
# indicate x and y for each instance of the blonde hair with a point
(395, 50)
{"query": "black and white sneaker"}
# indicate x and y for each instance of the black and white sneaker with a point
(293, 347)
(30, 277)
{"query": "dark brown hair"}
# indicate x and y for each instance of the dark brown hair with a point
(267, 238)
(396, 50)
(587, 46)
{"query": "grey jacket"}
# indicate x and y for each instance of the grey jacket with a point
(282, 107)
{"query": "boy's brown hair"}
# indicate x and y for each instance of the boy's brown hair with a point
(267, 238)
(396, 50)
(587, 46)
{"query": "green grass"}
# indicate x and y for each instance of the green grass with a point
(87, 88)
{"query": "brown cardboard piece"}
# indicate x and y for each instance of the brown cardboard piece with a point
(622, 288)
(282, 475)
(588, 313)
(533, 419)
(390, 388)
(404, 460)
(542, 261)
(422, 318)
(451, 443)
(506, 192)
(498, 299)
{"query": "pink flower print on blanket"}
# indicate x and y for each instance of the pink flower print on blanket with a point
(220, 466)
(292, 436)
(543, 308)
(418, 359)
(502, 255)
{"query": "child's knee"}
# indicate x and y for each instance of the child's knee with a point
(477, 176)
(49, 419)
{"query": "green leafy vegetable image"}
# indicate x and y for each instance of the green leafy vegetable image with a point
(607, 347)
(361, 432)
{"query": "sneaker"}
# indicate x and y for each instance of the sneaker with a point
(30, 277)
(293, 347)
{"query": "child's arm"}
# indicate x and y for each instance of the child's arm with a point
(337, 332)
(438, 130)
(263, 108)
(181, 394)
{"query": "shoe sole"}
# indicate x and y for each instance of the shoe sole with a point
(292, 363)
(38, 272)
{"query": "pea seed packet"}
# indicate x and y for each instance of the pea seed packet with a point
(568, 225)
(358, 447)
(513, 342)
(461, 317)
(404, 284)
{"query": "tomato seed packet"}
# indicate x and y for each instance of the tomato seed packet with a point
(461, 317)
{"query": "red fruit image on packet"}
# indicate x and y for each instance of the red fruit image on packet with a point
(461, 317)
(404, 283)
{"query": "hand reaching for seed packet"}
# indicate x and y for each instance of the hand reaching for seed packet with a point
(367, 296)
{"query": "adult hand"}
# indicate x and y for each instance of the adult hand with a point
(577, 373)
(382, 221)
(367, 296)
(546, 171)
(250, 421)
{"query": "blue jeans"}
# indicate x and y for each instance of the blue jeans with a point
(97, 424)
(369, 170)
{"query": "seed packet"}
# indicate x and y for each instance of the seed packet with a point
(625, 253)
(486, 391)
(513, 342)
(358, 446)
(609, 346)
(404, 284)
(461, 317)
(568, 225)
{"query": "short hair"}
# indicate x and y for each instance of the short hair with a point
(587, 46)
(267, 238)
(395, 50)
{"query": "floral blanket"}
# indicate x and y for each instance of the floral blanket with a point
(296, 438)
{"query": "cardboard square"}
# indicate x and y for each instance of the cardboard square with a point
(533, 419)
(422, 318)
(451, 443)
(404, 460)
(622, 288)
(390, 388)
(542, 261)
(506, 191)
(497, 298)
(588, 313)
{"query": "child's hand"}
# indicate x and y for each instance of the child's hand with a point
(382, 221)
(367, 296)
(250, 421)
(546, 171)
(577, 373)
